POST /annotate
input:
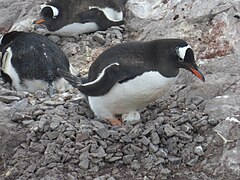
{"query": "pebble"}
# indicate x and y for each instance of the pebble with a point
(165, 171)
(135, 165)
(184, 136)
(169, 130)
(27, 122)
(155, 138)
(82, 136)
(99, 38)
(153, 148)
(99, 154)
(199, 139)
(127, 159)
(97, 124)
(17, 116)
(199, 150)
(213, 122)
(113, 159)
(175, 160)
(103, 133)
(84, 164)
(9, 99)
(54, 125)
(145, 140)
(193, 161)
(162, 153)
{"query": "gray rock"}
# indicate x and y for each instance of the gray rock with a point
(135, 165)
(213, 122)
(175, 160)
(165, 171)
(97, 124)
(99, 38)
(184, 136)
(27, 122)
(99, 154)
(193, 161)
(53, 103)
(103, 133)
(153, 148)
(9, 99)
(195, 100)
(199, 150)
(169, 130)
(82, 136)
(84, 164)
(127, 159)
(199, 139)
(17, 117)
(155, 138)
(113, 159)
(54, 38)
(162, 153)
(145, 140)
(54, 125)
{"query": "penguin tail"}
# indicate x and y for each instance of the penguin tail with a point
(73, 80)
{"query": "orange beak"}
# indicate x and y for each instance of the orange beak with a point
(38, 21)
(197, 73)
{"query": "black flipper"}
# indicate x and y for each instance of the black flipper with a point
(102, 85)
(102, 21)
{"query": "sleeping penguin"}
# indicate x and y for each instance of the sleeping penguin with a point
(74, 17)
(129, 76)
(29, 62)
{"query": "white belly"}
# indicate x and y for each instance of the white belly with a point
(76, 29)
(131, 96)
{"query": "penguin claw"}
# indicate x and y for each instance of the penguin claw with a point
(115, 122)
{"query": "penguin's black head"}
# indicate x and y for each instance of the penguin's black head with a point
(49, 14)
(185, 59)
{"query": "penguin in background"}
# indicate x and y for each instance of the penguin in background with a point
(74, 17)
(127, 77)
(29, 62)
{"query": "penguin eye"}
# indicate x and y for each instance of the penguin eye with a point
(180, 59)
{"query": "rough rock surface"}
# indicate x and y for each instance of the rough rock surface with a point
(191, 133)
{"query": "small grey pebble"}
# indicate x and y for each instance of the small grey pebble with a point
(213, 122)
(127, 159)
(199, 150)
(169, 130)
(145, 140)
(135, 165)
(103, 133)
(193, 161)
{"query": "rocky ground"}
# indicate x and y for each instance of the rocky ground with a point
(191, 133)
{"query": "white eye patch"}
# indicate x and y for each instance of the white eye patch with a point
(181, 51)
(54, 9)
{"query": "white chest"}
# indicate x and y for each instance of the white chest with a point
(132, 95)
(76, 29)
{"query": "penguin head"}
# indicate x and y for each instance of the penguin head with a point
(49, 14)
(185, 59)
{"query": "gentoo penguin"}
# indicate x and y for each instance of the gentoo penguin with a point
(29, 62)
(128, 76)
(74, 17)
